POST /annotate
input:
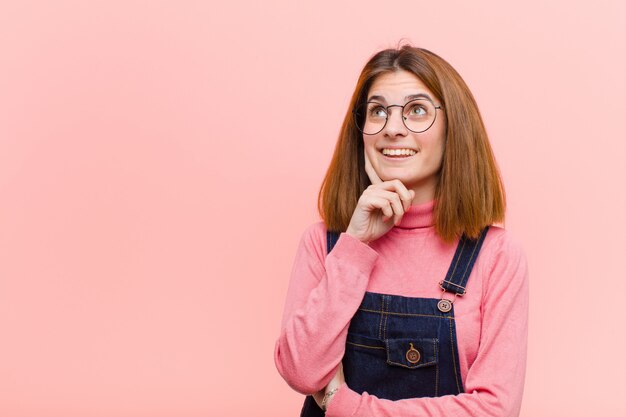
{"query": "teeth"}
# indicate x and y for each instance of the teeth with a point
(392, 152)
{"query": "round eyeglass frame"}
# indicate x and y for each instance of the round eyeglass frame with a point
(356, 122)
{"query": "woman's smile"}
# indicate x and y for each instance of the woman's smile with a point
(394, 154)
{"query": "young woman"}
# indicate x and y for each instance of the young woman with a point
(407, 299)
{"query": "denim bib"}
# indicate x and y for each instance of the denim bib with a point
(405, 347)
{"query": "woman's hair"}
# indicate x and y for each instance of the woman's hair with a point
(469, 193)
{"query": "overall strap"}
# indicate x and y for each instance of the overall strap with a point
(331, 239)
(462, 263)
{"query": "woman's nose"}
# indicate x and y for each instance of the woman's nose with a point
(395, 124)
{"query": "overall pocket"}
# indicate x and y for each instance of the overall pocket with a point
(394, 368)
(411, 353)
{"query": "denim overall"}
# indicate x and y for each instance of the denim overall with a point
(405, 347)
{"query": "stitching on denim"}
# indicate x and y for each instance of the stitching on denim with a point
(456, 377)
(436, 370)
(452, 283)
(380, 324)
(478, 243)
(386, 318)
(421, 365)
(469, 262)
(366, 346)
(404, 314)
(458, 258)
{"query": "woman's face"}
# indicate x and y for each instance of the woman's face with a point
(419, 171)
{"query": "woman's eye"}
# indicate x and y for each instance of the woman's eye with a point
(378, 112)
(417, 111)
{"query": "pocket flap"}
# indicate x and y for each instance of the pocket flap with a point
(412, 353)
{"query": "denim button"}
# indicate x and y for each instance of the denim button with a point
(413, 355)
(444, 305)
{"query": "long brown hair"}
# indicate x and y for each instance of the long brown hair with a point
(469, 194)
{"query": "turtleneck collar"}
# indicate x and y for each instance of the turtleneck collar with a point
(418, 216)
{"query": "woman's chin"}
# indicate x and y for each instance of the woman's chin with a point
(409, 181)
(397, 174)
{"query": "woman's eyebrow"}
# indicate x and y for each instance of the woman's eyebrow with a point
(407, 98)
(416, 96)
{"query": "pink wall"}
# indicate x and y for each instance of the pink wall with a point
(159, 161)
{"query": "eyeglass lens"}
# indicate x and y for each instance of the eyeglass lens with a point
(417, 115)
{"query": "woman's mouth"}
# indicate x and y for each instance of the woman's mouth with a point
(398, 154)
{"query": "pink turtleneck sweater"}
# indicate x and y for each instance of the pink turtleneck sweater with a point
(491, 318)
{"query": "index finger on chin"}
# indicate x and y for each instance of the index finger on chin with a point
(371, 173)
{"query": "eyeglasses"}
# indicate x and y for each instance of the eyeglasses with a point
(417, 115)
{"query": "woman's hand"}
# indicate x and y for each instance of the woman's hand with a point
(379, 202)
(337, 380)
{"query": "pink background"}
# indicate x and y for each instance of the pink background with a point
(159, 161)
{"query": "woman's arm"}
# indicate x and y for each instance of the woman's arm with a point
(495, 381)
(324, 293)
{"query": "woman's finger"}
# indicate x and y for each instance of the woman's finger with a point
(396, 185)
(394, 199)
(369, 169)
(381, 203)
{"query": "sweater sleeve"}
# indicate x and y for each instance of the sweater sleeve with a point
(495, 381)
(323, 294)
